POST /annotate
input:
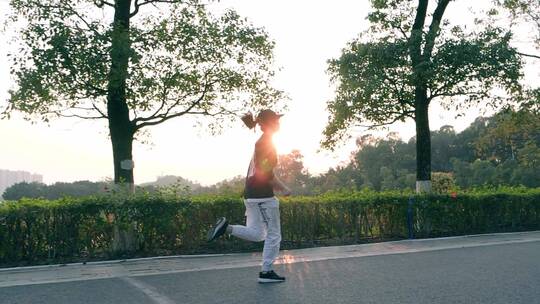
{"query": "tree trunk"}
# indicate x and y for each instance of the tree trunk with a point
(423, 142)
(120, 127)
(122, 144)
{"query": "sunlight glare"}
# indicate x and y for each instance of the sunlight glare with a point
(285, 143)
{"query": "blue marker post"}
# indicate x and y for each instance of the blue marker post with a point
(410, 217)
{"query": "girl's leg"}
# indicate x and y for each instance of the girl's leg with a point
(273, 237)
(255, 229)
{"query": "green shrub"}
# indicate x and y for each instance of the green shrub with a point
(79, 229)
(443, 182)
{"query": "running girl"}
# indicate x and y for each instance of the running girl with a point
(262, 207)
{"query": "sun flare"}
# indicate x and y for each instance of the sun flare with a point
(285, 144)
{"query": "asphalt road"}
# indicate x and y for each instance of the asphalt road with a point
(507, 273)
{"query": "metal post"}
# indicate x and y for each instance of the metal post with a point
(410, 218)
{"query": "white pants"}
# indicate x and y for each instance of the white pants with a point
(262, 224)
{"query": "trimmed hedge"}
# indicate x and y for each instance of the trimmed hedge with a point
(67, 230)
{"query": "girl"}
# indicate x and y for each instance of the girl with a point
(262, 207)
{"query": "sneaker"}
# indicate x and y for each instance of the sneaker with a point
(218, 230)
(270, 277)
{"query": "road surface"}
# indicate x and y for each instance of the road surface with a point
(499, 268)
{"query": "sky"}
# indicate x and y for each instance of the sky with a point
(307, 34)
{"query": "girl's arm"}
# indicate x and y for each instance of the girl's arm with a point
(280, 186)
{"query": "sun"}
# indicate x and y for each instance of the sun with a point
(285, 144)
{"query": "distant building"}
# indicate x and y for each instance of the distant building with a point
(9, 178)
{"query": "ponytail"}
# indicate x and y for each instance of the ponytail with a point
(248, 120)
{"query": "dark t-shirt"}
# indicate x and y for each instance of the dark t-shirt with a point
(261, 169)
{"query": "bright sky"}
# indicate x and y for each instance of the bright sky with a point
(307, 34)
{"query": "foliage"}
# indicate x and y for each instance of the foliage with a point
(169, 184)
(182, 60)
(526, 13)
(36, 231)
(403, 63)
(376, 75)
(54, 191)
(24, 189)
(385, 163)
(291, 171)
(527, 10)
(507, 133)
(233, 187)
(482, 172)
(443, 183)
(341, 178)
(169, 180)
(497, 150)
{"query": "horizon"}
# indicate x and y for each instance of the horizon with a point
(158, 177)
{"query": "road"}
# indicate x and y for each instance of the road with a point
(473, 270)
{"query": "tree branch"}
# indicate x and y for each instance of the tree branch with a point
(136, 10)
(79, 116)
(170, 108)
(206, 113)
(415, 40)
(447, 86)
(161, 1)
(398, 90)
(99, 111)
(460, 93)
(528, 55)
(403, 32)
(80, 82)
(434, 28)
(400, 29)
(73, 11)
(101, 3)
(138, 5)
(164, 117)
(398, 118)
(61, 114)
(163, 102)
(84, 21)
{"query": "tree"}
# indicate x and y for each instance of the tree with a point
(384, 163)
(54, 191)
(508, 131)
(529, 160)
(466, 141)
(291, 171)
(339, 178)
(527, 12)
(477, 156)
(401, 64)
(74, 189)
(443, 147)
(170, 180)
(135, 69)
(231, 186)
(24, 189)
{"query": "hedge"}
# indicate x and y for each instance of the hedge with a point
(68, 230)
